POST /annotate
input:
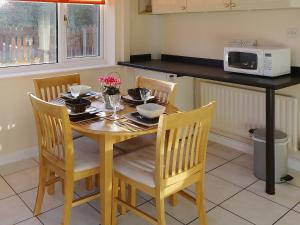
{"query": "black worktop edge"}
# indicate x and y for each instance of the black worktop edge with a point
(142, 62)
(188, 60)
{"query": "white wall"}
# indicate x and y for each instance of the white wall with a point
(205, 34)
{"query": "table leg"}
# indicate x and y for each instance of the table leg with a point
(106, 167)
(270, 141)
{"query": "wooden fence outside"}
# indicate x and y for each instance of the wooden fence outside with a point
(21, 45)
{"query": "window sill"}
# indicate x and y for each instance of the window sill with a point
(26, 71)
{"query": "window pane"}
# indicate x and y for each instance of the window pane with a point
(27, 34)
(83, 30)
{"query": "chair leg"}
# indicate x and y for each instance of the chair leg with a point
(200, 201)
(132, 196)
(173, 200)
(63, 186)
(97, 180)
(114, 201)
(41, 189)
(160, 209)
(89, 183)
(51, 187)
(122, 195)
(69, 190)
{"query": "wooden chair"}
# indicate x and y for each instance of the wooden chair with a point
(50, 88)
(70, 161)
(165, 92)
(169, 167)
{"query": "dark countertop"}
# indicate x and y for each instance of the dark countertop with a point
(211, 71)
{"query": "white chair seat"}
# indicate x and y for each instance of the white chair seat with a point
(134, 144)
(138, 165)
(86, 154)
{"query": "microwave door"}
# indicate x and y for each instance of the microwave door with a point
(243, 60)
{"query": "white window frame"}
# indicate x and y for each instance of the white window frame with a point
(72, 64)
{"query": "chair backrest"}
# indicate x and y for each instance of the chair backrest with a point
(54, 132)
(51, 87)
(164, 91)
(178, 158)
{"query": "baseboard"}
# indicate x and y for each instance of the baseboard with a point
(229, 142)
(293, 159)
(19, 155)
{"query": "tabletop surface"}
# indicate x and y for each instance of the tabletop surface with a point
(215, 73)
(107, 126)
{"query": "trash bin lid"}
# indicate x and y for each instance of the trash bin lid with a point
(280, 137)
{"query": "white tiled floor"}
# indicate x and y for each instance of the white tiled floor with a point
(234, 197)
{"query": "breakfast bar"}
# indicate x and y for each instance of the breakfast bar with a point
(211, 69)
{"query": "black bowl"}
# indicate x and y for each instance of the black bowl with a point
(135, 93)
(78, 105)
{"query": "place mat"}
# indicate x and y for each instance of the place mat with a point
(83, 117)
(137, 118)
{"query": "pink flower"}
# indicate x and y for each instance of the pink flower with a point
(110, 80)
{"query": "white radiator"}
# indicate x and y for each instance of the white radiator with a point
(238, 110)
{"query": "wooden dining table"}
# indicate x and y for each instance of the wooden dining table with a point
(106, 133)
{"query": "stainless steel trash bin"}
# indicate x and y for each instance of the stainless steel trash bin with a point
(281, 142)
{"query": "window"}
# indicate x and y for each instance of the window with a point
(83, 30)
(49, 33)
(27, 34)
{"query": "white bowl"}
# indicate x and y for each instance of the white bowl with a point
(151, 110)
(83, 89)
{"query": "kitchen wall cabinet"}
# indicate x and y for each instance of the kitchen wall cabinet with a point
(196, 5)
(263, 4)
(181, 6)
(168, 6)
(216, 5)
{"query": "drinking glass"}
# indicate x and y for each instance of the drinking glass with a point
(145, 94)
(114, 102)
(102, 89)
(75, 91)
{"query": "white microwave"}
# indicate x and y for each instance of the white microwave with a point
(269, 62)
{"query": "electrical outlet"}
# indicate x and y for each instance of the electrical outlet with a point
(292, 32)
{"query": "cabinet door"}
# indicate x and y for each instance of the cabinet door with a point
(196, 5)
(260, 4)
(216, 5)
(169, 6)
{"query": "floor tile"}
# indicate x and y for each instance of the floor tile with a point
(17, 166)
(144, 195)
(50, 201)
(218, 190)
(24, 180)
(235, 174)
(292, 218)
(219, 216)
(213, 162)
(32, 221)
(223, 151)
(83, 214)
(245, 160)
(5, 190)
(285, 193)
(185, 211)
(13, 210)
(297, 208)
(81, 190)
(254, 208)
(131, 219)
